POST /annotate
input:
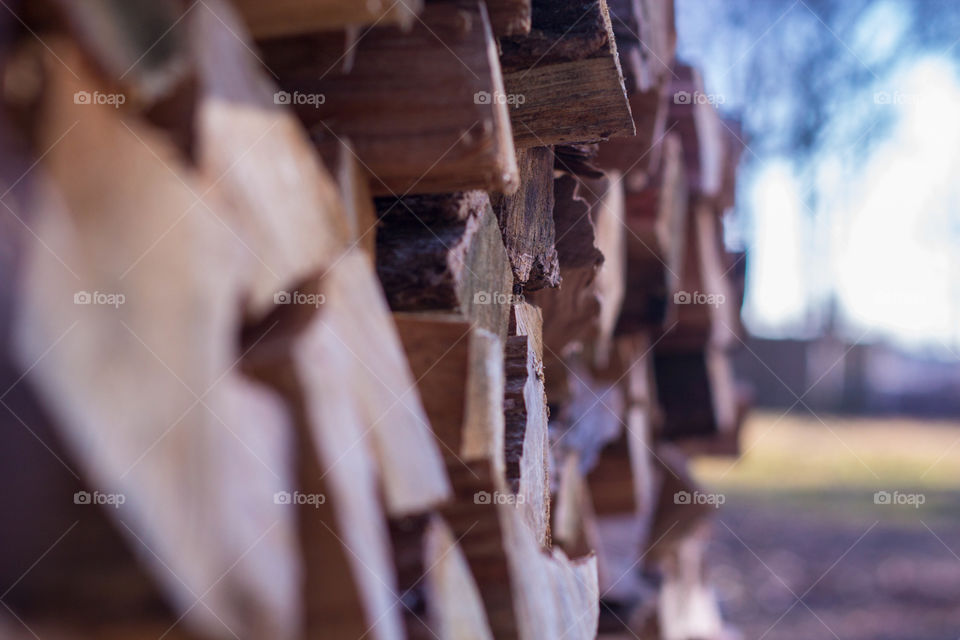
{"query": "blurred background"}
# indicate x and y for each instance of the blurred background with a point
(843, 513)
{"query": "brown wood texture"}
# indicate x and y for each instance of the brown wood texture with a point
(291, 17)
(445, 253)
(372, 319)
(563, 80)
(656, 218)
(418, 105)
(526, 221)
(509, 17)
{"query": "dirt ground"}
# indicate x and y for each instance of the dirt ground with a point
(802, 548)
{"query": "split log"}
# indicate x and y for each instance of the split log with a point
(619, 543)
(526, 222)
(639, 156)
(509, 17)
(574, 521)
(590, 416)
(696, 121)
(466, 419)
(697, 393)
(440, 596)
(526, 593)
(288, 213)
(646, 40)
(656, 243)
(292, 198)
(564, 79)
(356, 405)
(377, 391)
(677, 516)
(353, 184)
(413, 133)
(292, 17)
(526, 441)
(139, 46)
(91, 579)
(445, 253)
(607, 212)
(169, 424)
(571, 313)
(622, 481)
(706, 310)
(734, 145)
(659, 35)
(688, 607)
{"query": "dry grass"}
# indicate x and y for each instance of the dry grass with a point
(799, 452)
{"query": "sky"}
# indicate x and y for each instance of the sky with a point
(879, 241)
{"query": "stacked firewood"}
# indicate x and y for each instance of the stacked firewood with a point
(339, 319)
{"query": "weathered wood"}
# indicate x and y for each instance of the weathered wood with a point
(509, 17)
(292, 17)
(457, 264)
(422, 107)
(526, 222)
(564, 78)
(197, 449)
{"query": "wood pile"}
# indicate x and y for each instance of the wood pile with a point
(336, 319)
